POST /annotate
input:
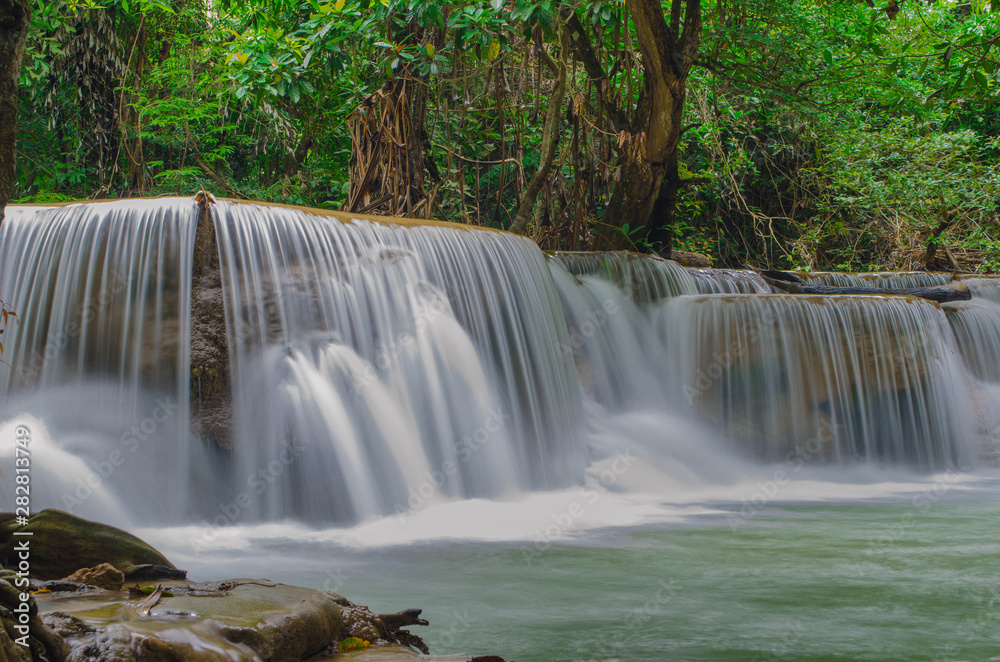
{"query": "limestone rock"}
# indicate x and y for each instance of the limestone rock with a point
(214, 622)
(211, 390)
(104, 576)
(688, 259)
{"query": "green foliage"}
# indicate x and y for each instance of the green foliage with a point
(818, 134)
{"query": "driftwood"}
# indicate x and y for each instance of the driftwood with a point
(401, 619)
(786, 282)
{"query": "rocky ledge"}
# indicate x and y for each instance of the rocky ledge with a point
(123, 601)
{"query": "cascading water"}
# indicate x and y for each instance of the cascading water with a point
(873, 378)
(100, 352)
(620, 361)
(377, 366)
(730, 281)
(888, 279)
(976, 325)
(397, 361)
(646, 279)
(984, 287)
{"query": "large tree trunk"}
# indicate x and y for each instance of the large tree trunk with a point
(15, 18)
(650, 151)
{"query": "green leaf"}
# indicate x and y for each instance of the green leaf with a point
(828, 57)
(353, 643)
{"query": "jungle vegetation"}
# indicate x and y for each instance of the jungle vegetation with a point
(819, 134)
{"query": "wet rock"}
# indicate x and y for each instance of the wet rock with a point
(688, 259)
(62, 543)
(235, 620)
(66, 625)
(150, 572)
(211, 391)
(104, 576)
(19, 627)
(360, 622)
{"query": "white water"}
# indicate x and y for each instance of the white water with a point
(398, 383)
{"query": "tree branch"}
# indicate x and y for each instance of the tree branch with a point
(583, 52)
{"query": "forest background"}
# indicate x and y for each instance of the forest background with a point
(809, 134)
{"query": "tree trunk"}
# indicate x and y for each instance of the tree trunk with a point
(550, 137)
(15, 18)
(650, 150)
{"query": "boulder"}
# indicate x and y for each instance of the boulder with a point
(689, 259)
(62, 543)
(104, 576)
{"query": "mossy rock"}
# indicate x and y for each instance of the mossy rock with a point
(62, 543)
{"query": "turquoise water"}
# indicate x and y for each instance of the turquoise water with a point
(912, 577)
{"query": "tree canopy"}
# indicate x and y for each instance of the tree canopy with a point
(817, 134)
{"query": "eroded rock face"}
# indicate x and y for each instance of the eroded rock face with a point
(211, 389)
(62, 543)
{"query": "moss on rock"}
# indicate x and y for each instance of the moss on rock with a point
(62, 543)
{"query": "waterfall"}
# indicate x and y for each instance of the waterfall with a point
(620, 361)
(729, 281)
(377, 365)
(645, 278)
(976, 325)
(888, 279)
(100, 351)
(398, 360)
(871, 377)
(984, 287)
